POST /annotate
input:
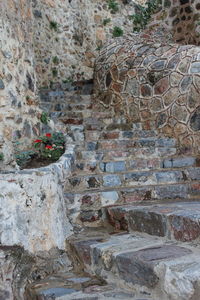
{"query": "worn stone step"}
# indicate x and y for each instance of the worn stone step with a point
(88, 167)
(132, 153)
(118, 134)
(163, 269)
(74, 286)
(88, 206)
(119, 177)
(136, 143)
(177, 221)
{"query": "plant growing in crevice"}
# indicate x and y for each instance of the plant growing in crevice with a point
(106, 21)
(53, 25)
(44, 118)
(54, 72)
(117, 31)
(55, 60)
(1, 156)
(113, 6)
(143, 15)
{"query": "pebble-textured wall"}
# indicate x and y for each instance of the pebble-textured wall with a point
(18, 103)
(148, 78)
(69, 34)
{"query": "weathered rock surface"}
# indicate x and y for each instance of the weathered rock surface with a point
(154, 266)
(33, 213)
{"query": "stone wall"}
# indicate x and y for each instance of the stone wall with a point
(19, 110)
(69, 34)
(33, 214)
(151, 79)
(181, 17)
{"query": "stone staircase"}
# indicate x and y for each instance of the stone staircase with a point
(133, 201)
(122, 163)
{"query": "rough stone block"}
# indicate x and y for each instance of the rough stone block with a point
(111, 180)
(137, 267)
(178, 162)
(112, 167)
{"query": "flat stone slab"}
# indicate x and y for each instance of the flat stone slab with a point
(77, 287)
(144, 263)
(178, 221)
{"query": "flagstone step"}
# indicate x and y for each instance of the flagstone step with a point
(89, 167)
(163, 269)
(116, 144)
(122, 178)
(88, 207)
(176, 221)
(132, 153)
(77, 287)
(119, 134)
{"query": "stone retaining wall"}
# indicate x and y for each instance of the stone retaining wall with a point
(69, 34)
(148, 78)
(18, 102)
(33, 214)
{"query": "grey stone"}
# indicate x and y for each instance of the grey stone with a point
(137, 176)
(178, 162)
(138, 267)
(27, 129)
(185, 83)
(7, 54)
(194, 173)
(168, 177)
(195, 120)
(165, 142)
(171, 192)
(37, 13)
(113, 167)
(195, 67)
(91, 146)
(128, 134)
(158, 65)
(111, 180)
(57, 292)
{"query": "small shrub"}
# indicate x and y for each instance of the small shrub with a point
(106, 21)
(117, 31)
(44, 118)
(1, 156)
(142, 17)
(53, 25)
(68, 80)
(55, 60)
(54, 72)
(113, 6)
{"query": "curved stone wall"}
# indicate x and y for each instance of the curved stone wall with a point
(150, 79)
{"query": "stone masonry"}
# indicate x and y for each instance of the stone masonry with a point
(117, 216)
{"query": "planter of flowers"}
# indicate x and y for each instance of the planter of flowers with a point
(46, 150)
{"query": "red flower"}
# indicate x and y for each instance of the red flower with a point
(48, 147)
(48, 134)
(37, 141)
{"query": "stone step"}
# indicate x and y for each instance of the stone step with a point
(77, 287)
(161, 269)
(133, 134)
(122, 178)
(117, 144)
(134, 143)
(177, 221)
(90, 167)
(118, 154)
(88, 207)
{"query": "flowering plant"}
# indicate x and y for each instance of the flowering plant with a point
(50, 146)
